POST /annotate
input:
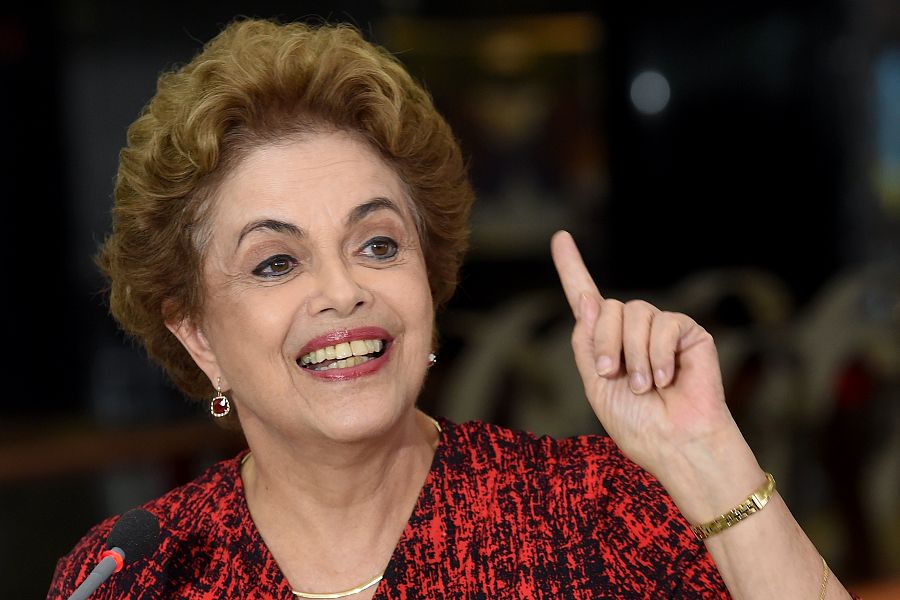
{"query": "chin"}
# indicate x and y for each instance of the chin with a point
(362, 422)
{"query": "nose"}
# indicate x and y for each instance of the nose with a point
(336, 289)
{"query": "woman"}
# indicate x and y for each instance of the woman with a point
(290, 212)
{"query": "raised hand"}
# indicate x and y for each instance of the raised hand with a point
(652, 377)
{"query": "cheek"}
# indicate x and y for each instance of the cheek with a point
(408, 295)
(425, 307)
(242, 326)
(418, 287)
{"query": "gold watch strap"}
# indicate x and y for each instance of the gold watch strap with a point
(754, 503)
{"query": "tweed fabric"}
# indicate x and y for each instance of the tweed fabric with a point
(502, 514)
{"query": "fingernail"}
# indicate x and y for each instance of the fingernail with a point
(661, 377)
(604, 364)
(638, 382)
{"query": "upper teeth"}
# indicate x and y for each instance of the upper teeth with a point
(342, 351)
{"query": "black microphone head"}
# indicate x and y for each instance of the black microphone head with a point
(136, 533)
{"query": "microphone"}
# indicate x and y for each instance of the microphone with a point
(134, 536)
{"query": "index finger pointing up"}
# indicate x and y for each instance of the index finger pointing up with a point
(574, 276)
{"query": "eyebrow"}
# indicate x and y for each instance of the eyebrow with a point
(356, 215)
(270, 225)
(366, 208)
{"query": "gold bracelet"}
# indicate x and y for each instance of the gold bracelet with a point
(825, 571)
(754, 503)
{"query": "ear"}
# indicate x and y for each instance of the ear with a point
(194, 341)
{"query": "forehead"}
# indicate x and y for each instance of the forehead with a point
(322, 176)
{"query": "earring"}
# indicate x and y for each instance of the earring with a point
(432, 358)
(219, 406)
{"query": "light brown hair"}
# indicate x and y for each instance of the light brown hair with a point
(256, 83)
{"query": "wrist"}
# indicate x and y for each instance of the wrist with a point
(754, 503)
(710, 477)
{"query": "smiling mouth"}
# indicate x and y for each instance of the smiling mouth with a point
(343, 355)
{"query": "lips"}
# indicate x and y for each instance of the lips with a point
(345, 354)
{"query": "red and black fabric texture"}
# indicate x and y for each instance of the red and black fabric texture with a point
(502, 514)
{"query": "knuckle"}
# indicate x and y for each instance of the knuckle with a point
(638, 304)
(675, 316)
(669, 320)
(639, 311)
(612, 303)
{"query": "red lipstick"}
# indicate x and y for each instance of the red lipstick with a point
(346, 336)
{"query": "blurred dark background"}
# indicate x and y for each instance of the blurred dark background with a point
(737, 161)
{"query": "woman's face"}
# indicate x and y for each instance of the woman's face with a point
(318, 314)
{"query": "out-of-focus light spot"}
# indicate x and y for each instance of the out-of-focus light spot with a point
(650, 92)
(887, 129)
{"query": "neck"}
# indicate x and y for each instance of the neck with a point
(332, 489)
(331, 514)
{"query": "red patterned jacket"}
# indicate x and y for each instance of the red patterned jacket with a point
(502, 514)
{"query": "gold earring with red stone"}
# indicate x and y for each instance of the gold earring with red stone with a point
(219, 406)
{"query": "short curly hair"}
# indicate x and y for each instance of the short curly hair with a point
(256, 83)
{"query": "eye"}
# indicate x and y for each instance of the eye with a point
(275, 266)
(381, 248)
